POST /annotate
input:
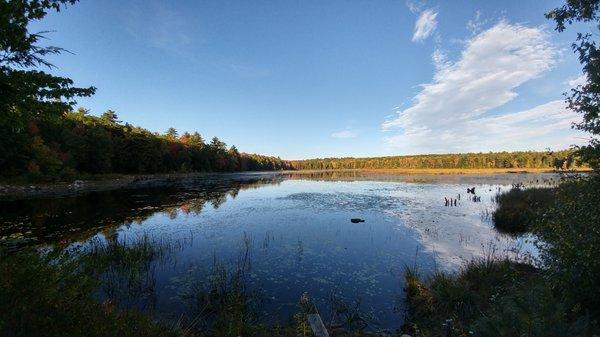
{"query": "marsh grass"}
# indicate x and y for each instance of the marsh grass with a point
(221, 303)
(519, 207)
(125, 268)
(50, 294)
(486, 298)
(96, 289)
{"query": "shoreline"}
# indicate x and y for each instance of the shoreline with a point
(17, 191)
(445, 171)
(11, 192)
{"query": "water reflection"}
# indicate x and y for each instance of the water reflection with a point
(81, 217)
(279, 235)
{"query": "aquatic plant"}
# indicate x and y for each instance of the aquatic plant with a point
(519, 207)
(124, 268)
(50, 294)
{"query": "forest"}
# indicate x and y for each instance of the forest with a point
(518, 160)
(77, 142)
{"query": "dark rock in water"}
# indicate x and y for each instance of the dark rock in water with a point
(356, 220)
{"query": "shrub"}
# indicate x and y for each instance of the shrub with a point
(570, 241)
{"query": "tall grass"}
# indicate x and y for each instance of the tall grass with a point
(489, 298)
(518, 208)
(125, 268)
(91, 290)
(51, 295)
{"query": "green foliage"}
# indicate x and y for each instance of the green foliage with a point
(584, 99)
(518, 208)
(28, 93)
(517, 160)
(50, 295)
(502, 298)
(570, 241)
(81, 143)
(489, 297)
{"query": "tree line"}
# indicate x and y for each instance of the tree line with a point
(517, 160)
(42, 137)
(78, 142)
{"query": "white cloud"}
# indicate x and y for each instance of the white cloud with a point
(344, 134)
(581, 80)
(425, 25)
(544, 126)
(474, 25)
(414, 6)
(449, 114)
(440, 60)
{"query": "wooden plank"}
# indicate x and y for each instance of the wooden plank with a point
(317, 326)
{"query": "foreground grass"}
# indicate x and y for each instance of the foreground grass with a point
(56, 293)
(489, 298)
(48, 295)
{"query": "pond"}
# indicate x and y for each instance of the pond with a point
(288, 233)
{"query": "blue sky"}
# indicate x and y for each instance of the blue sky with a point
(305, 79)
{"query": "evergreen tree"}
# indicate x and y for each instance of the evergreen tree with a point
(28, 93)
(171, 134)
(110, 117)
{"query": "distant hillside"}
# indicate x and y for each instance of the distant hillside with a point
(521, 160)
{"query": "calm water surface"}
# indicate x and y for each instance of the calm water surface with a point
(291, 232)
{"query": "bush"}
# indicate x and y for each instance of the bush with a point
(570, 241)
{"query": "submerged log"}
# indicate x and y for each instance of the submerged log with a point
(317, 326)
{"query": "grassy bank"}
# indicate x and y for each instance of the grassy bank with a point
(83, 291)
(499, 297)
(490, 298)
